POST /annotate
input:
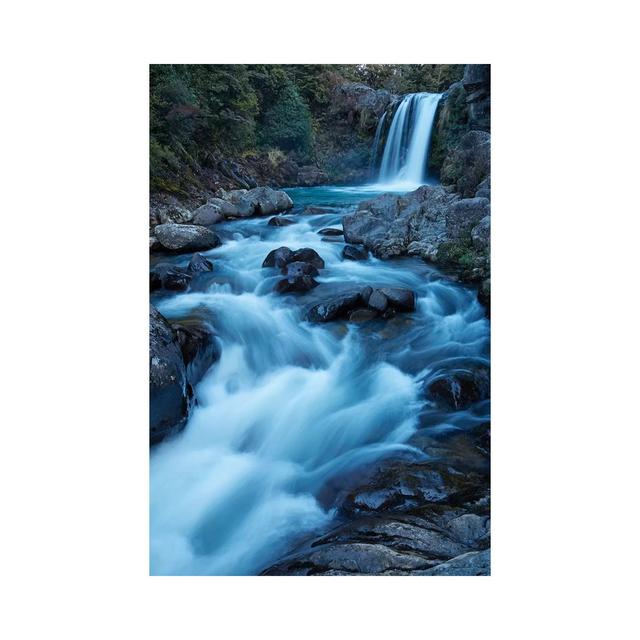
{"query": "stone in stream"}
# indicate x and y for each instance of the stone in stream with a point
(279, 221)
(461, 389)
(308, 255)
(261, 201)
(353, 253)
(330, 232)
(362, 315)
(279, 257)
(199, 348)
(400, 299)
(299, 278)
(185, 238)
(313, 210)
(335, 307)
(168, 388)
(207, 214)
(199, 263)
(170, 277)
(378, 301)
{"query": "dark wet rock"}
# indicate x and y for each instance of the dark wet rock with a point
(279, 221)
(378, 301)
(279, 257)
(185, 238)
(330, 232)
(309, 176)
(467, 164)
(477, 84)
(365, 294)
(199, 348)
(484, 293)
(207, 214)
(462, 388)
(308, 255)
(400, 299)
(168, 387)
(313, 210)
(298, 269)
(357, 100)
(334, 308)
(170, 277)
(199, 264)
(353, 253)
(154, 245)
(389, 313)
(362, 315)
(299, 278)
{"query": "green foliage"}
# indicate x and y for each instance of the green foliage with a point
(409, 78)
(450, 126)
(456, 254)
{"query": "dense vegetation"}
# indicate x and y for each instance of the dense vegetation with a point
(202, 114)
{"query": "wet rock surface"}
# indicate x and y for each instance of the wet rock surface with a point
(185, 238)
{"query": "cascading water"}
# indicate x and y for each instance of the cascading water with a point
(292, 410)
(406, 152)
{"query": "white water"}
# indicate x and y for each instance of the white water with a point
(291, 409)
(406, 152)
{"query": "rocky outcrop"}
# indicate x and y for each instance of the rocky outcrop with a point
(309, 176)
(477, 84)
(409, 517)
(179, 355)
(468, 164)
(360, 102)
(185, 238)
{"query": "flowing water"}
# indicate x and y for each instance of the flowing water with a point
(292, 409)
(406, 152)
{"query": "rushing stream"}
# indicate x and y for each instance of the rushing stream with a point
(293, 409)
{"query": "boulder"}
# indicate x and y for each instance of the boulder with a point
(173, 213)
(299, 278)
(353, 253)
(308, 255)
(278, 257)
(336, 307)
(378, 301)
(261, 201)
(199, 264)
(207, 214)
(460, 389)
(185, 238)
(362, 315)
(467, 164)
(279, 221)
(330, 232)
(465, 214)
(355, 99)
(168, 387)
(399, 299)
(170, 277)
(484, 189)
(313, 210)
(298, 269)
(199, 348)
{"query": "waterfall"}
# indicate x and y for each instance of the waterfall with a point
(376, 144)
(406, 152)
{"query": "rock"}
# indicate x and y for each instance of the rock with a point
(467, 165)
(399, 299)
(378, 301)
(330, 232)
(278, 257)
(261, 201)
(464, 214)
(168, 388)
(392, 225)
(278, 221)
(362, 315)
(312, 210)
(299, 278)
(462, 388)
(484, 189)
(473, 563)
(477, 84)
(481, 234)
(308, 255)
(484, 294)
(297, 269)
(207, 214)
(199, 264)
(359, 100)
(365, 294)
(309, 176)
(170, 277)
(154, 245)
(185, 238)
(353, 253)
(334, 308)
(199, 348)
(174, 213)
